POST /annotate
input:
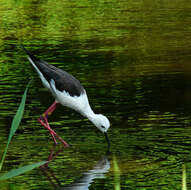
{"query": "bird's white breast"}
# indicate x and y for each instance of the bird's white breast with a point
(78, 103)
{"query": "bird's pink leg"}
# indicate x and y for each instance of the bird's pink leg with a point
(50, 110)
(44, 122)
(53, 133)
(46, 125)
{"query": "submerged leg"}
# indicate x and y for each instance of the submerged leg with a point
(44, 122)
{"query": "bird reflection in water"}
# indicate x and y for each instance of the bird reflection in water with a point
(98, 171)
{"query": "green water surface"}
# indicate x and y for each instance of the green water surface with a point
(133, 58)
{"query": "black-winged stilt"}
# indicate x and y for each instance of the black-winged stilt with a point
(67, 91)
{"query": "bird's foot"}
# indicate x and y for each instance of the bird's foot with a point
(66, 145)
(61, 140)
(54, 134)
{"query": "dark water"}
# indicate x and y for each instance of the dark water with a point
(133, 58)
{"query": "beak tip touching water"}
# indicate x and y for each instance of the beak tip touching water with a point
(107, 139)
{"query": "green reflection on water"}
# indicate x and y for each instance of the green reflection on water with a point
(133, 57)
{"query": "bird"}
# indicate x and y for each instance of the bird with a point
(67, 91)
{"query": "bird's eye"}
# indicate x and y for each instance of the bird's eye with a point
(102, 127)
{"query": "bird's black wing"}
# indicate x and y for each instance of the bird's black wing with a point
(63, 80)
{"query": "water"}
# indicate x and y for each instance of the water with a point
(133, 58)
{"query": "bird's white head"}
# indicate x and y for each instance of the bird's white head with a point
(101, 122)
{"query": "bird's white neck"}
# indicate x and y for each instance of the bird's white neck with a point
(99, 120)
(96, 119)
(89, 114)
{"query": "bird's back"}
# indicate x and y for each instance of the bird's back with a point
(63, 80)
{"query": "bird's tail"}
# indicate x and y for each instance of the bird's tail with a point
(35, 61)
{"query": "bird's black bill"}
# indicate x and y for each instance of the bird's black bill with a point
(107, 139)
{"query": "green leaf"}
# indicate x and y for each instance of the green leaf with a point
(184, 183)
(116, 174)
(15, 123)
(16, 172)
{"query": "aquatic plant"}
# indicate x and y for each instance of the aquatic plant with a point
(14, 126)
(15, 123)
(184, 184)
(116, 174)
